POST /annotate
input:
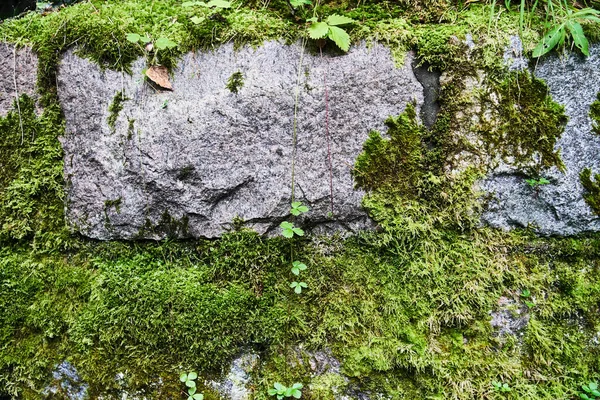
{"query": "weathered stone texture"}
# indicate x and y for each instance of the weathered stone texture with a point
(18, 75)
(200, 156)
(557, 208)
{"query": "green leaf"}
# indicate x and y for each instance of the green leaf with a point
(298, 231)
(593, 386)
(183, 377)
(198, 396)
(286, 225)
(550, 41)
(197, 20)
(298, 289)
(288, 392)
(318, 30)
(288, 233)
(578, 37)
(272, 392)
(299, 3)
(133, 37)
(295, 211)
(190, 398)
(339, 37)
(296, 393)
(145, 39)
(586, 388)
(296, 204)
(164, 43)
(584, 396)
(302, 284)
(279, 386)
(189, 383)
(525, 293)
(297, 386)
(543, 181)
(219, 4)
(192, 390)
(596, 393)
(192, 376)
(193, 3)
(335, 19)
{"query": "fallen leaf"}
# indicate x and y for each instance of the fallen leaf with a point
(160, 76)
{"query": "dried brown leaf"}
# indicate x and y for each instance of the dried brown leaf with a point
(160, 76)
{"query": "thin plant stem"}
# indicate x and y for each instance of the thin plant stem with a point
(327, 130)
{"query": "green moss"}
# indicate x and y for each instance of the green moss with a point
(168, 226)
(592, 195)
(235, 82)
(595, 115)
(115, 108)
(530, 123)
(31, 183)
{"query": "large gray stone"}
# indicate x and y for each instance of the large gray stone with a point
(200, 156)
(18, 74)
(557, 208)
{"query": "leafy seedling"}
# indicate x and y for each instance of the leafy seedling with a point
(297, 266)
(282, 391)
(217, 5)
(535, 183)
(298, 208)
(501, 387)
(525, 293)
(300, 3)
(297, 286)
(591, 391)
(570, 26)
(330, 29)
(288, 230)
(189, 380)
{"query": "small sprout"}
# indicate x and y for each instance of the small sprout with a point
(282, 391)
(288, 230)
(164, 104)
(298, 208)
(525, 293)
(300, 3)
(591, 391)
(189, 380)
(501, 387)
(297, 286)
(534, 183)
(297, 266)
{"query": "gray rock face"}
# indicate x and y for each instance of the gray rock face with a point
(557, 208)
(18, 75)
(187, 162)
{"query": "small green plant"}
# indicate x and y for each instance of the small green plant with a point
(288, 230)
(566, 23)
(235, 82)
(330, 29)
(298, 266)
(525, 293)
(216, 5)
(299, 3)
(590, 391)
(282, 391)
(189, 380)
(535, 183)
(526, 296)
(164, 104)
(298, 208)
(501, 387)
(149, 46)
(297, 286)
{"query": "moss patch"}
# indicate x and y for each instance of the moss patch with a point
(592, 187)
(235, 82)
(595, 115)
(115, 108)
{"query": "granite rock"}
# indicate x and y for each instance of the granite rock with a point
(18, 75)
(188, 162)
(557, 208)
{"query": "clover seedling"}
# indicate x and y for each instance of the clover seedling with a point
(297, 266)
(189, 380)
(289, 230)
(501, 387)
(282, 391)
(300, 3)
(297, 286)
(534, 183)
(591, 391)
(298, 208)
(330, 29)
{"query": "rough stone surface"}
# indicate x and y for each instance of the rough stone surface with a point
(18, 70)
(188, 162)
(557, 208)
(510, 318)
(234, 385)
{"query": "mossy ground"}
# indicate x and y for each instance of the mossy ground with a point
(405, 309)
